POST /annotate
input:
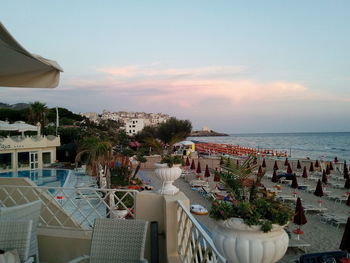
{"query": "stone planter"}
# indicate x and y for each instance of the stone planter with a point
(240, 243)
(167, 176)
(119, 214)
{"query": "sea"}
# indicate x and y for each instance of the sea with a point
(321, 146)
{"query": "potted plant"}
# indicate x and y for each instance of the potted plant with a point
(251, 225)
(165, 136)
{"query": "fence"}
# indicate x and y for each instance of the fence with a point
(71, 207)
(194, 244)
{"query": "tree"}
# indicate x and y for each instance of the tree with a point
(173, 127)
(96, 152)
(38, 113)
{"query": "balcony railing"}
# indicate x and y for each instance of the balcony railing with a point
(194, 244)
(71, 207)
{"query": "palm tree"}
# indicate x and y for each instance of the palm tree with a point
(96, 152)
(37, 113)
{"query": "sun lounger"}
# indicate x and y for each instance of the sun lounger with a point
(311, 208)
(333, 219)
(299, 244)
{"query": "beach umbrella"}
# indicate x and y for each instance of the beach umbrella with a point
(274, 178)
(298, 165)
(327, 170)
(304, 172)
(346, 171)
(294, 183)
(348, 201)
(299, 217)
(187, 162)
(286, 162)
(275, 166)
(206, 173)
(193, 166)
(331, 166)
(216, 176)
(324, 177)
(319, 191)
(263, 164)
(347, 183)
(345, 242)
(289, 169)
(317, 165)
(260, 171)
(311, 167)
(199, 170)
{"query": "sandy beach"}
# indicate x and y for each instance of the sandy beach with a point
(321, 236)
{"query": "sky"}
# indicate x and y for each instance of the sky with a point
(234, 66)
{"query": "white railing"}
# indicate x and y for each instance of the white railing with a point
(194, 244)
(71, 207)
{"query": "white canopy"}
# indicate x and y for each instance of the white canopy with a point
(17, 126)
(185, 143)
(19, 68)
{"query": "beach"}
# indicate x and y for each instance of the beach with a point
(321, 236)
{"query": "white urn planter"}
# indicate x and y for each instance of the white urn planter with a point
(119, 214)
(241, 243)
(167, 176)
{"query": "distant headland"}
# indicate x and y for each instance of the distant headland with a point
(206, 132)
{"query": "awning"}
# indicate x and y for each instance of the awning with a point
(19, 68)
(17, 126)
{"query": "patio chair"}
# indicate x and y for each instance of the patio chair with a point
(29, 211)
(16, 235)
(117, 240)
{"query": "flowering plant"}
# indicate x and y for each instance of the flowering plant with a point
(249, 201)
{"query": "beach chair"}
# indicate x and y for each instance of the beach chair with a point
(116, 240)
(29, 211)
(16, 235)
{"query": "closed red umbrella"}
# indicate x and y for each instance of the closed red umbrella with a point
(260, 171)
(299, 217)
(324, 177)
(331, 166)
(275, 166)
(206, 173)
(346, 171)
(274, 178)
(289, 169)
(187, 162)
(193, 166)
(327, 170)
(347, 184)
(345, 242)
(199, 170)
(319, 191)
(304, 172)
(216, 176)
(298, 165)
(311, 167)
(263, 164)
(348, 201)
(286, 162)
(317, 164)
(294, 183)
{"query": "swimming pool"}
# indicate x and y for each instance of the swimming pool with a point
(45, 177)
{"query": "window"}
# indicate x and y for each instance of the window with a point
(133, 126)
(133, 122)
(133, 130)
(23, 160)
(5, 161)
(47, 158)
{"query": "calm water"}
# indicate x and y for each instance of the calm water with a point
(47, 177)
(314, 145)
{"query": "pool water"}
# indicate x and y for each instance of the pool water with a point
(45, 177)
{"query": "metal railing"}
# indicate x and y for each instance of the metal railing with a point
(71, 207)
(194, 244)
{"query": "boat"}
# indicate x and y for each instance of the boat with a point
(198, 210)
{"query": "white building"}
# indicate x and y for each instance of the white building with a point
(23, 152)
(133, 126)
